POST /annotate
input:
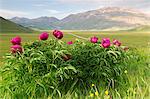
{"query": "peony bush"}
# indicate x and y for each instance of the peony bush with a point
(50, 67)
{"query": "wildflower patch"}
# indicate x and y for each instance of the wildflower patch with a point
(51, 67)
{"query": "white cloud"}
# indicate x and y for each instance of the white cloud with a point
(9, 13)
(147, 11)
(102, 0)
(52, 11)
(39, 5)
(132, 3)
(87, 1)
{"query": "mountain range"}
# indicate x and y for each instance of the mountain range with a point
(101, 19)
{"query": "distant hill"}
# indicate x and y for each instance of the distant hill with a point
(141, 28)
(40, 23)
(101, 19)
(8, 26)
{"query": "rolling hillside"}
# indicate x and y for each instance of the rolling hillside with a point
(8, 26)
(141, 28)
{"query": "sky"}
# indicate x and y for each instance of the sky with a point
(62, 8)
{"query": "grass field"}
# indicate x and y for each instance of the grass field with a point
(131, 39)
(138, 76)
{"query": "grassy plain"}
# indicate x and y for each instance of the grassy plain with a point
(138, 74)
(131, 39)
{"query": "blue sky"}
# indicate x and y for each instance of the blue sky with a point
(62, 8)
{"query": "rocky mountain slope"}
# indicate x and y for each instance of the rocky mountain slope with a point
(100, 19)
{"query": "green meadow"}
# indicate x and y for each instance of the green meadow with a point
(139, 76)
(132, 39)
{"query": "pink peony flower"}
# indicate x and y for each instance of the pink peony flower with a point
(16, 40)
(44, 36)
(58, 34)
(16, 48)
(116, 42)
(105, 42)
(70, 42)
(94, 39)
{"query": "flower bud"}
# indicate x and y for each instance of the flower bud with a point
(16, 48)
(105, 42)
(58, 34)
(94, 39)
(44, 36)
(16, 40)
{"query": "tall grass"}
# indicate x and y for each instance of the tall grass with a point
(138, 75)
(136, 86)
